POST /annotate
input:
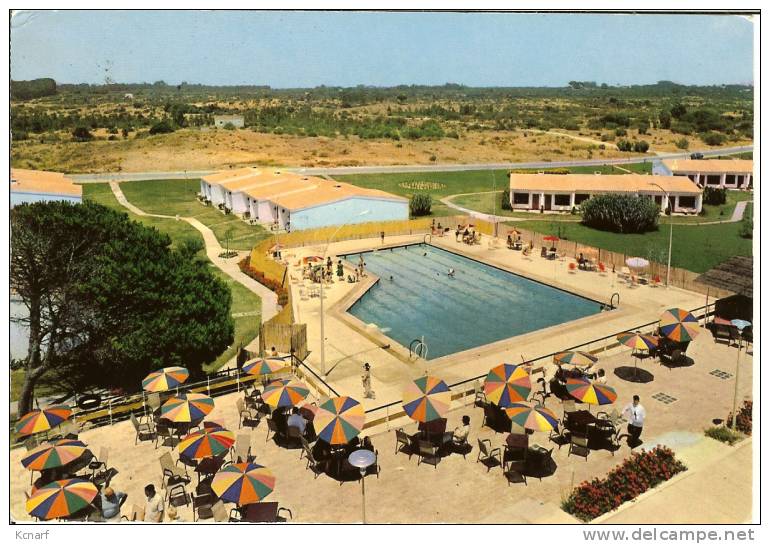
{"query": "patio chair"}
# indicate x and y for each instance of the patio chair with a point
(137, 514)
(293, 435)
(241, 452)
(153, 401)
(100, 461)
(544, 461)
(177, 495)
(171, 474)
(272, 427)
(544, 252)
(165, 436)
(480, 398)
(219, 513)
(144, 431)
(70, 429)
(246, 417)
(559, 436)
(428, 453)
(201, 506)
(569, 406)
(572, 268)
(31, 443)
(488, 455)
(579, 446)
(318, 467)
(723, 332)
(403, 443)
(513, 471)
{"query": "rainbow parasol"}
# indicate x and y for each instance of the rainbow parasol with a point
(339, 420)
(426, 399)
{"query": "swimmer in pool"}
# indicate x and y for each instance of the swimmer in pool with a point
(451, 273)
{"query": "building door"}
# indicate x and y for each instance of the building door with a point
(536, 201)
(547, 202)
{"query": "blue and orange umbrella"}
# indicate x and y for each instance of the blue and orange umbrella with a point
(285, 393)
(38, 421)
(165, 379)
(506, 384)
(56, 454)
(61, 498)
(208, 442)
(679, 325)
(537, 418)
(243, 483)
(187, 407)
(426, 399)
(591, 392)
(262, 367)
(338, 420)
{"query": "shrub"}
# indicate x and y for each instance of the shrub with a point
(620, 132)
(420, 204)
(229, 126)
(620, 213)
(641, 146)
(505, 201)
(259, 276)
(747, 225)
(163, 127)
(744, 421)
(723, 434)
(713, 138)
(82, 134)
(714, 196)
(682, 143)
(625, 145)
(638, 473)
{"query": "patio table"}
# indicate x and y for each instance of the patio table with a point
(517, 441)
(578, 421)
(259, 512)
(208, 466)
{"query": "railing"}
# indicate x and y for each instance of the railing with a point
(461, 390)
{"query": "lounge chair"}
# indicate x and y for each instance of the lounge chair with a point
(144, 431)
(579, 446)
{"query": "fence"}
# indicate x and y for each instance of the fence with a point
(285, 337)
(679, 277)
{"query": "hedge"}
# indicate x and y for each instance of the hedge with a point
(621, 213)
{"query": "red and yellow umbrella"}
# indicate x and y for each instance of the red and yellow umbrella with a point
(54, 455)
(591, 392)
(637, 340)
(187, 407)
(243, 483)
(261, 367)
(38, 421)
(165, 379)
(283, 393)
(312, 259)
(537, 418)
(426, 399)
(61, 498)
(506, 384)
(337, 421)
(209, 442)
(551, 238)
(577, 358)
(679, 325)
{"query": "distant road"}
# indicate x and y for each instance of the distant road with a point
(347, 170)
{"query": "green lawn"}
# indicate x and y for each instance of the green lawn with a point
(246, 328)
(716, 213)
(695, 248)
(490, 203)
(178, 197)
(468, 181)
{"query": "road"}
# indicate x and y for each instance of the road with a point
(346, 170)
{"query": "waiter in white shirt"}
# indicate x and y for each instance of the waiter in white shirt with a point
(635, 414)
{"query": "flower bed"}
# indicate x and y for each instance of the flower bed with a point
(258, 275)
(637, 474)
(743, 422)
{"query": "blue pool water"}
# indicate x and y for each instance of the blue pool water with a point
(479, 305)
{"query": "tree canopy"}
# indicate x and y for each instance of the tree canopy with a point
(109, 301)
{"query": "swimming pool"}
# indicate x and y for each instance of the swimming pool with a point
(479, 305)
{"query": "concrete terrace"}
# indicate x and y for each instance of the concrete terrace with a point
(406, 492)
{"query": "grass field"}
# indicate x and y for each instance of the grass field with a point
(695, 248)
(247, 327)
(177, 197)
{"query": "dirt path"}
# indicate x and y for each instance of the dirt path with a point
(608, 145)
(213, 250)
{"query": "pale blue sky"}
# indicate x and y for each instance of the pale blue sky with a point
(305, 49)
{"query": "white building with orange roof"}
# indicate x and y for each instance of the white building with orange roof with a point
(718, 173)
(563, 192)
(39, 186)
(291, 201)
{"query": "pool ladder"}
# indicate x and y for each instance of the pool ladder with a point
(612, 306)
(418, 347)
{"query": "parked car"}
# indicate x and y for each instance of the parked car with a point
(696, 156)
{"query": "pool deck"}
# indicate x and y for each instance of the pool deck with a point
(349, 345)
(717, 486)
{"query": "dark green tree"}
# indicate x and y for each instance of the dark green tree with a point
(108, 301)
(82, 134)
(420, 204)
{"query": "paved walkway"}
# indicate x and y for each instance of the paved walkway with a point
(213, 250)
(740, 209)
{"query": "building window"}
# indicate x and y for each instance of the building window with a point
(561, 200)
(686, 201)
(751, 178)
(713, 180)
(521, 198)
(580, 198)
(730, 179)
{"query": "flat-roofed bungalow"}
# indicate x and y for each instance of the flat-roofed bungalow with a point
(729, 174)
(562, 192)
